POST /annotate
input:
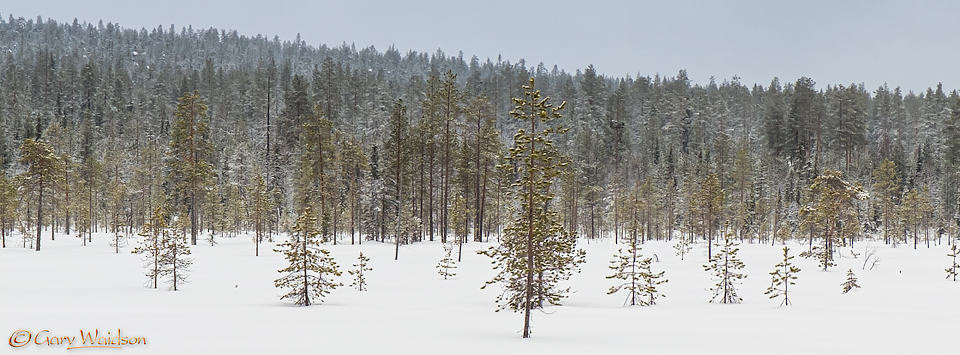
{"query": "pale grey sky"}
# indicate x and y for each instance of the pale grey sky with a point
(911, 44)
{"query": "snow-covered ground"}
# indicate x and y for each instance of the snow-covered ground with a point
(905, 305)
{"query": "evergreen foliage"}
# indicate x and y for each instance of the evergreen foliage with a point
(305, 119)
(952, 270)
(782, 279)
(4, 147)
(152, 235)
(682, 247)
(353, 165)
(914, 212)
(316, 157)
(309, 277)
(399, 126)
(8, 205)
(446, 265)
(260, 211)
(723, 268)
(887, 192)
(850, 283)
(45, 171)
(536, 253)
(190, 171)
(709, 203)
(118, 241)
(640, 281)
(359, 273)
(831, 213)
(460, 218)
(175, 260)
(213, 214)
(447, 98)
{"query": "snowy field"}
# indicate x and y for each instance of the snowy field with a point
(230, 306)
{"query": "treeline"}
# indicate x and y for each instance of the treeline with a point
(241, 133)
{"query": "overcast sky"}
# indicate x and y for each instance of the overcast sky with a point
(911, 44)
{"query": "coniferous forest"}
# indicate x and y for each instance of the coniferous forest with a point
(117, 130)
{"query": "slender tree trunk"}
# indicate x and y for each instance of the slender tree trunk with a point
(669, 208)
(422, 185)
(353, 210)
(399, 156)
(174, 262)
(432, 168)
(592, 228)
(67, 184)
(530, 220)
(156, 258)
(306, 282)
(499, 226)
(483, 200)
(90, 227)
(445, 199)
(53, 215)
(323, 186)
(633, 274)
(193, 216)
(268, 161)
(40, 209)
(576, 207)
(478, 226)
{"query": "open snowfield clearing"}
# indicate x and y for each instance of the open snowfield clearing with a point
(230, 306)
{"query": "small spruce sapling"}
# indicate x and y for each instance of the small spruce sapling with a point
(447, 264)
(851, 282)
(723, 267)
(782, 279)
(952, 270)
(359, 277)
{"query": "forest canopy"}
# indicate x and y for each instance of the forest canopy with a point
(385, 142)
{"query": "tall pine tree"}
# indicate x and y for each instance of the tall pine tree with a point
(44, 172)
(536, 252)
(188, 158)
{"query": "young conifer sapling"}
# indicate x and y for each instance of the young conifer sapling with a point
(446, 265)
(952, 270)
(782, 278)
(724, 267)
(359, 275)
(639, 280)
(851, 282)
(309, 277)
(682, 247)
